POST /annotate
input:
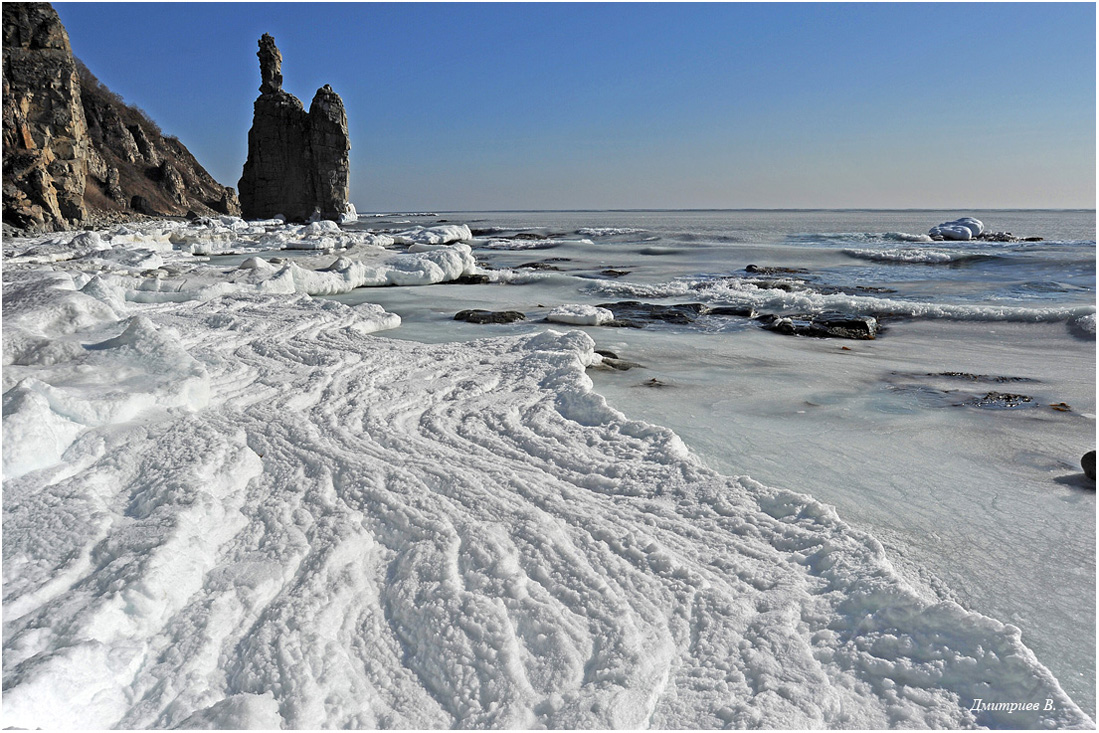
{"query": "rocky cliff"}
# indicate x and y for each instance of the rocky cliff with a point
(46, 141)
(74, 152)
(297, 161)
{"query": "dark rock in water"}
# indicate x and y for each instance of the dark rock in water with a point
(297, 161)
(1088, 464)
(1031, 239)
(732, 310)
(1000, 401)
(980, 377)
(477, 315)
(614, 273)
(529, 236)
(996, 237)
(775, 270)
(537, 266)
(823, 325)
(606, 354)
(634, 310)
(476, 279)
(622, 365)
(654, 382)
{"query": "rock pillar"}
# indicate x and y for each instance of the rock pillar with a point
(297, 161)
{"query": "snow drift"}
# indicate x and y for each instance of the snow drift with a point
(246, 510)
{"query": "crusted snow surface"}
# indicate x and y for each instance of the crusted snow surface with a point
(157, 261)
(249, 511)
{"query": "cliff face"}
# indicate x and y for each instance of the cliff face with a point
(297, 161)
(74, 152)
(133, 167)
(45, 135)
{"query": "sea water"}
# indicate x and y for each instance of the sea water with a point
(978, 500)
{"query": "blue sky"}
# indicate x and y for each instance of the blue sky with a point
(556, 106)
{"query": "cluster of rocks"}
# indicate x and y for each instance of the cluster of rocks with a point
(298, 164)
(636, 314)
(74, 152)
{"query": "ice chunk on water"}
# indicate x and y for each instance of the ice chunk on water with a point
(580, 315)
(962, 229)
(434, 235)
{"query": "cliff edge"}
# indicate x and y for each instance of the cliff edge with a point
(74, 153)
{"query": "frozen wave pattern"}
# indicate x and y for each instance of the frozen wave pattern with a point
(362, 532)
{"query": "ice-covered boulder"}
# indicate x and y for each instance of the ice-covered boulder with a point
(580, 315)
(961, 230)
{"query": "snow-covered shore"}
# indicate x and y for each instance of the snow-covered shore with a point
(228, 504)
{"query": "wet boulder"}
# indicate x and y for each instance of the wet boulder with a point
(1088, 464)
(823, 325)
(634, 312)
(478, 315)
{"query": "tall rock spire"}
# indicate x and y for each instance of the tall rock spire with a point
(270, 65)
(297, 161)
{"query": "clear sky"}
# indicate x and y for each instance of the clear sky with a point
(558, 106)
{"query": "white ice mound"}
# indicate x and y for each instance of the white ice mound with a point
(580, 315)
(350, 216)
(237, 712)
(962, 229)
(443, 234)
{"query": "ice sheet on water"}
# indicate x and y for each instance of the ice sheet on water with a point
(352, 531)
(608, 231)
(859, 238)
(735, 291)
(915, 255)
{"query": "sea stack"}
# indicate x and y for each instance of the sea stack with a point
(297, 161)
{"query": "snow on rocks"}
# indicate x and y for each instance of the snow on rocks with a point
(350, 216)
(155, 262)
(246, 510)
(963, 229)
(580, 315)
(443, 234)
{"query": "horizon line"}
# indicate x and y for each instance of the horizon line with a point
(428, 211)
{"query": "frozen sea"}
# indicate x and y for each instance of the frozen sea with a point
(243, 490)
